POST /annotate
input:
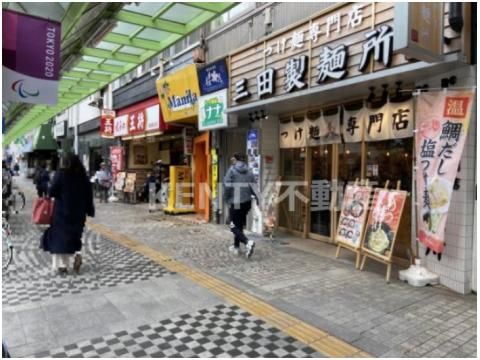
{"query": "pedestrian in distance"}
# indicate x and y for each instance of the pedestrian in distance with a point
(239, 188)
(42, 179)
(73, 196)
(104, 181)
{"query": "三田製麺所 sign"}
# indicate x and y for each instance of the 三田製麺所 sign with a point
(212, 111)
(31, 58)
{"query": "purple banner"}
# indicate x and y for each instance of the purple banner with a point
(31, 58)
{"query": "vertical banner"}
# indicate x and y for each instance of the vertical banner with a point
(116, 158)
(253, 153)
(31, 58)
(353, 215)
(106, 123)
(442, 126)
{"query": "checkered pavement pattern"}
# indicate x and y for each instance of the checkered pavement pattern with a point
(105, 264)
(221, 331)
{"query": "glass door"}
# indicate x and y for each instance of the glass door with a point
(321, 191)
(292, 171)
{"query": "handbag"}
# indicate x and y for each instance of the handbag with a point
(42, 211)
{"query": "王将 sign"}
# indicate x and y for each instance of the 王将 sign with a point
(107, 123)
(31, 58)
(442, 127)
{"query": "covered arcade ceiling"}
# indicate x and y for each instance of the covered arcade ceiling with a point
(103, 41)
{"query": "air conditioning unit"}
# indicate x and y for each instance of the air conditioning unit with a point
(95, 100)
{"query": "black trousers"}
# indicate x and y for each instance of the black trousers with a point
(238, 220)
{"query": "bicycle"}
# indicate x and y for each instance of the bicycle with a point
(17, 200)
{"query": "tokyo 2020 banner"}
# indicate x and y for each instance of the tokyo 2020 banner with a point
(31, 58)
(442, 127)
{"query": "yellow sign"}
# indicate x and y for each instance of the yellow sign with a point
(214, 173)
(178, 94)
(180, 190)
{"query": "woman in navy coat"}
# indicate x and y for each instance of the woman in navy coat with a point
(73, 196)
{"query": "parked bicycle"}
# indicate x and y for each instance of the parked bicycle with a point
(7, 247)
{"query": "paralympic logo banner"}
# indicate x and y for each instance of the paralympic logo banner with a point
(442, 127)
(31, 58)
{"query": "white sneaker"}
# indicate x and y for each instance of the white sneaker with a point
(250, 247)
(234, 250)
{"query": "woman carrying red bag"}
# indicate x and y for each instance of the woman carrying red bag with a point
(73, 196)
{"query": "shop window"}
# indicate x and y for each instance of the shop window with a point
(349, 162)
(390, 160)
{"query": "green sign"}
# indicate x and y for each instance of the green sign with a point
(212, 113)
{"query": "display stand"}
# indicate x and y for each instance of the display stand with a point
(349, 246)
(387, 260)
(270, 206)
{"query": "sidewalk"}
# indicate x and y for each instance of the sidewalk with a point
(305, 280)
(301, 278)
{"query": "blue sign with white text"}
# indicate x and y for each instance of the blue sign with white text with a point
(213, 77)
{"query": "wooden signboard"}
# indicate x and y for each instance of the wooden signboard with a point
(382, 226)
(352, 219)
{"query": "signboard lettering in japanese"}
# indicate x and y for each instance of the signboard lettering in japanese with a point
(353, 123)
(120, 126)
(442, 126)
(212, 111)
(116, 158)
(383, 222)
(107, 123)
(353, 215)
(213, 77)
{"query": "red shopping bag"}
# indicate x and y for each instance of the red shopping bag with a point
(42, 211)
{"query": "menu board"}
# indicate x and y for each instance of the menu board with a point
(383, 222)
(130, 182)
(120, 181)
(353, 215)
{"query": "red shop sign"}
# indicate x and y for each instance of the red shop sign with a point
(106, 123)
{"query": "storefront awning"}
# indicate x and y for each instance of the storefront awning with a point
(349, 89)
(44, 139)
(136, 33)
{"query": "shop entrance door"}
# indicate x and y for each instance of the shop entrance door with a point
(292, 214)
(201, 178)
(321, 166)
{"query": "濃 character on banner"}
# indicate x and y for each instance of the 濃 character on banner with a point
(294, 72)
(265, 82)
(380, 42)
(333, 63)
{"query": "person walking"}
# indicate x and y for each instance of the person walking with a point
(239, 187)
(73, 196)
(104, 179)
(42, 179)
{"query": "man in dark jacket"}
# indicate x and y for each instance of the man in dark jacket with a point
(42, 179)
(239, 187)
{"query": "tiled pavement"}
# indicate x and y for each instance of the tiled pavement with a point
(123, 305)
(301, 278)
(304, 279)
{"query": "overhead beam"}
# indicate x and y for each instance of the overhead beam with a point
(138, 43)
(90, 76)
(214, 7)
(105, 54)
(73, 13)
(91, 65)
(147, 21)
